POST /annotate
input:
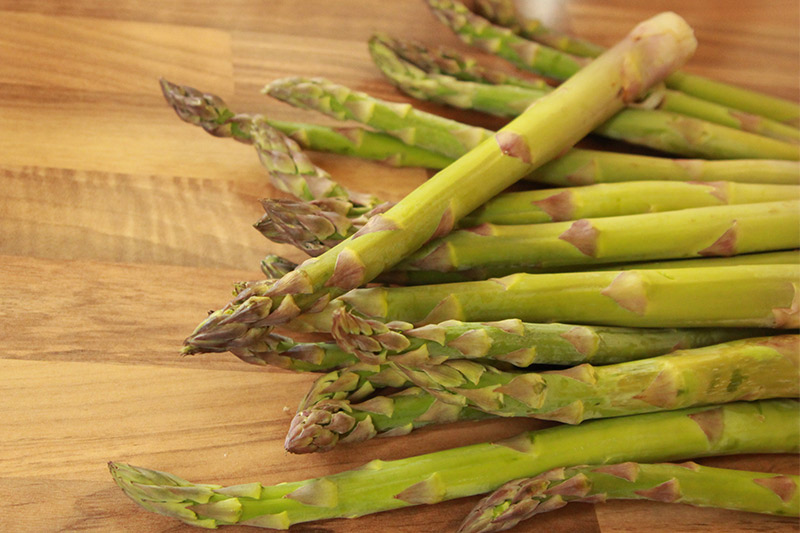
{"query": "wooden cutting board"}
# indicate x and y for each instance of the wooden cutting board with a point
(120, 226)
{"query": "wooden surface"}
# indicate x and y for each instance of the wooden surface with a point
(120, 226)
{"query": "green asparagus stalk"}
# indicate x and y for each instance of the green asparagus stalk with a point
(340, 408)
(212, 114)
(585, 167)
(662, 298)
(430, 62)
(515, 342)
(478, 31)
(750, 369)
(660, 129)
(687, 483)
(290, 169)
(746, 427)
(432, 277)
(451, 138)
(316, 226)
(697, 232)
(656, 46)
(503, 13)
(283, 352)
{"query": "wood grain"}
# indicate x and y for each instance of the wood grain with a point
(120, 226)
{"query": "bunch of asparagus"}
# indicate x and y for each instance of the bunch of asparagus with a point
(653, 301)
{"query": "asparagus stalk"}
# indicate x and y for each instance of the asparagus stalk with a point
(662, 298)
(687, 483)
(750, 369)
(585, 167)
(478, 31)
(316, 226)
(747, 427)
(283, 352)
(697, 232)
(339, 408)
(290, 169)
(515, 342)
(656, 46)
(431, 62)
(451, 138)
(211, 113)
(655, 128)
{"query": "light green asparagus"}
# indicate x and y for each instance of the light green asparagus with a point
(687, 483)
(746, 427)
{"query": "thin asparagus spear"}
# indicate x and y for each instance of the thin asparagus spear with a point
(746, 427)
(751, 369)
(339, 408)
(451, 138)
(515, 342)
(656, 46)
(585, 167)
(697, 232)
(687, 483)
(467, 69)
(212, 114)
(290, 169)
(316, 226)
(752, 102)
(659, 129)
(430, 277)
(660, 298)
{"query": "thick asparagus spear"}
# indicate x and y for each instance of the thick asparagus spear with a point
(655, 128)
(478, 31)
(656, 47)
(515, 342)
(751, 369)
(687, 483)
(339, 408)
(698, 232)
(430, 61)
(747, 427)
(661, 298)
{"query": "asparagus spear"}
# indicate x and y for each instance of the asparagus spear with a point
(451, 138)
(656, 46)
(746, 427)
(290, 169)
(584, 167)
(340, 409)
(431, 62)
(661, 298)
(480, 32)
(315, 226)
(655, 128)
(751, 369)
(515, 342)
(283, 352)
(211, 113)
(697, 232)
(688, 483)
